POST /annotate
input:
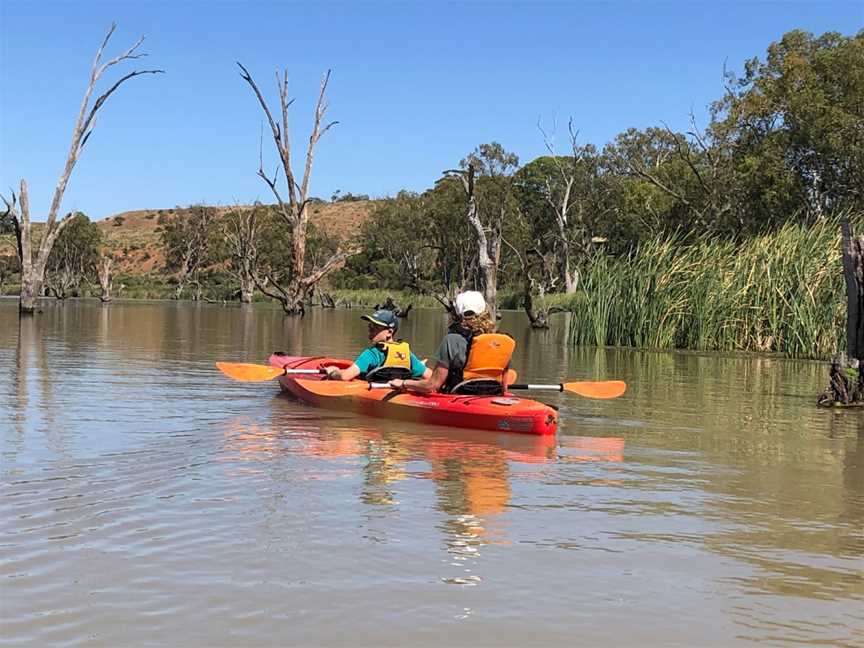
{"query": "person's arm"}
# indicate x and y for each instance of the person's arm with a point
(418, 369)
(361, 364)
(426, 385)
(444, 357)
(335, 373)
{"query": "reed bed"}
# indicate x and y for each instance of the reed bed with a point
(782, 293)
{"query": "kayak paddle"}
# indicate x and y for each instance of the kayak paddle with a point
(588, 388)
(248, 372)
(257, 373)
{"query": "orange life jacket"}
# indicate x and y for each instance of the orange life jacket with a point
(488, 358)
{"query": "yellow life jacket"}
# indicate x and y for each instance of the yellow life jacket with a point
(397, 362)
(488, 356)
(397, 353)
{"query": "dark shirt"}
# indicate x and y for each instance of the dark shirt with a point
(453, 352)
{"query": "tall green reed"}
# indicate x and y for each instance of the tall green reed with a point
(782, 292)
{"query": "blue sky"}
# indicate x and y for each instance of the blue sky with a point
(415, 86)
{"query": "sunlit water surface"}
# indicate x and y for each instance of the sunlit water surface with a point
(147, 499)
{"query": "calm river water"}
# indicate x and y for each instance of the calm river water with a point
(145, 499)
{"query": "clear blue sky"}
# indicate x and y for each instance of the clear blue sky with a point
(415, 86)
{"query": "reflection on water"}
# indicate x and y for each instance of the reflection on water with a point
(144, 498)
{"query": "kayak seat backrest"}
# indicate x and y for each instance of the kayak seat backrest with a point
(479, 387)
(385, 374)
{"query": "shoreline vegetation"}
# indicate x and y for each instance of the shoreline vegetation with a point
(780, 293)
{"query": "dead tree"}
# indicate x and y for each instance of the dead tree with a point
(73, 257)
(389, 304)
(847, 369)
(327, 300)
(18, 207)
(486, 211)
(187, 238)
(488, 246)
(486, 254)
(296, 212)
(240, 230)
(561, 203)
(533, 263)
(64, 281)
(106, 280)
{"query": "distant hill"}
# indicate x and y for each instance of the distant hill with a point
(133, 238)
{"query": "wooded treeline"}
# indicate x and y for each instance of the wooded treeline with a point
(784, 144)
(782, 156)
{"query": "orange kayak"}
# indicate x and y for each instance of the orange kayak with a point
(507, 413)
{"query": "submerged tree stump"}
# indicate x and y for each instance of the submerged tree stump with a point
(327, 300)
(390, 305)
(846, 386)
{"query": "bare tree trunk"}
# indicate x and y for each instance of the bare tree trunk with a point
(182, 278)
(33, 270)
(103, 271)
(562, 205)
(32, 279)
(327, 300)
(189, 244)
(488, 248)
(295, 213)
(240, 229)
(853, 271)
(247, 289)
(538, 314)
(846, 380)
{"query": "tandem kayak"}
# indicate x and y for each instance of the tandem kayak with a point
(507, 413)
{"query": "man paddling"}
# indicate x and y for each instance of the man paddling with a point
(385, 358)
(472, 357)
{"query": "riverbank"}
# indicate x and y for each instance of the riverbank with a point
(780, 293)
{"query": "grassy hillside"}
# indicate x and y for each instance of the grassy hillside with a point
(132, 239)
(132, 235)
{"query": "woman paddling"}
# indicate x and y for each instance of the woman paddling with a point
(472, 358)
(386, 358)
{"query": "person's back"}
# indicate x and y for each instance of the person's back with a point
(485, 368)
(487, 361)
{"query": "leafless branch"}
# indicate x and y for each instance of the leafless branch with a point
(104, 97)
(338, 257)
(317, 132)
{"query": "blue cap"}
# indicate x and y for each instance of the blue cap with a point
(383, 318)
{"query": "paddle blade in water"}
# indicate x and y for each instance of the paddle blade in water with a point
(249, 372)
(600, 389)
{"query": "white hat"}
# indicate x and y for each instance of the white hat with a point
(470, 302)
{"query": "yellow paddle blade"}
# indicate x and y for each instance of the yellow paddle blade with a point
(249, 372)
(599, 389)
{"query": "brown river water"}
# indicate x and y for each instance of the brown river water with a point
(145, 499)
